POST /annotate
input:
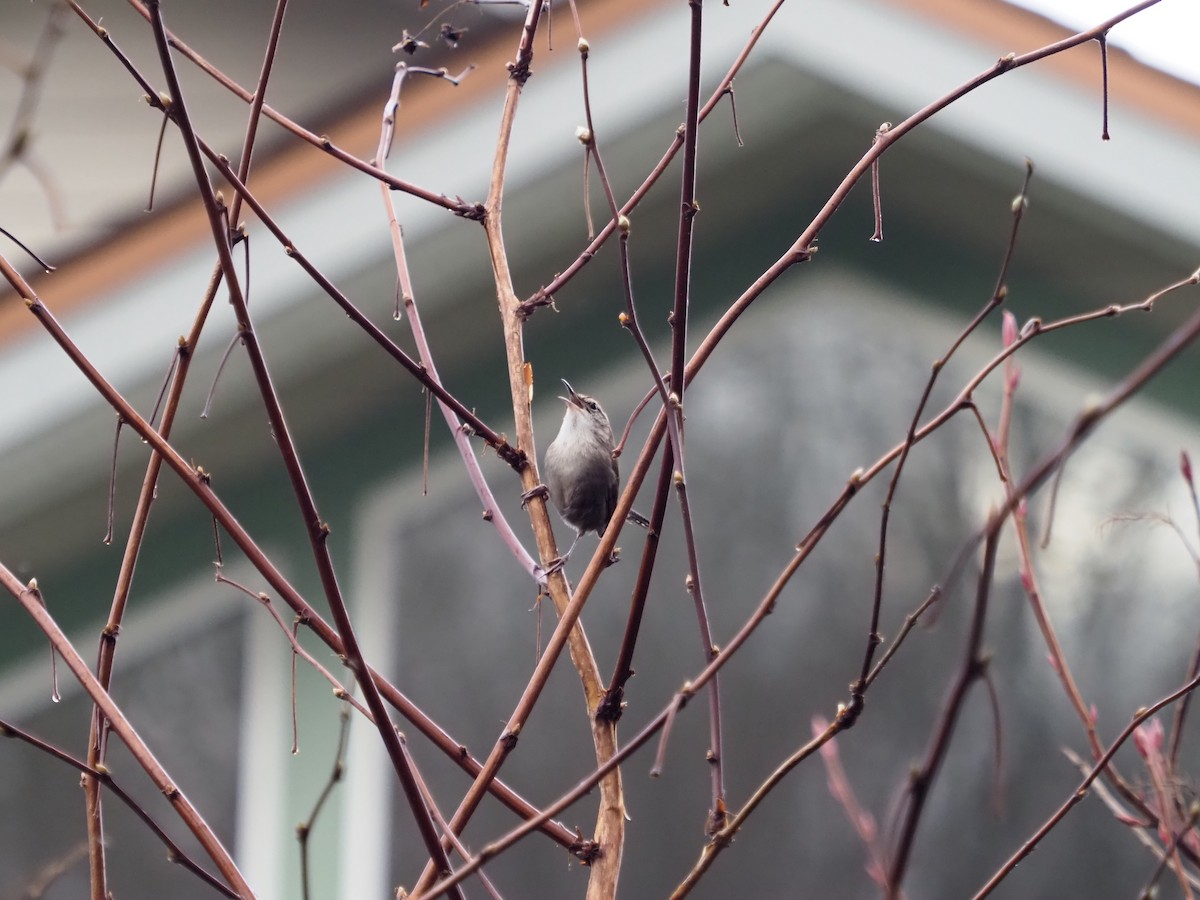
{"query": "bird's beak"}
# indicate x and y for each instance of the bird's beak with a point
(572, 397)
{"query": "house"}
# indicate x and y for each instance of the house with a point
(820, 377)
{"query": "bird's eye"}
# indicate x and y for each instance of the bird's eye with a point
(593, 406)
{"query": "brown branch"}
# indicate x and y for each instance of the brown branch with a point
(407, 296)
(198, 483)
(102, 776)
(321, 142)
(672, 471)
(180, 362)
(610, 824)
(188, 814)
(970, 670)
(316, 529)
(1082, 790)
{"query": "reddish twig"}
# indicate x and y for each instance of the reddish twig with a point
(1076, 432)
(407, 296)
(321, 142)
(1081, 791)
(102, 776)
(188, 814)
(317, 530)
(197, 481)
(610, 823)
(970, 670)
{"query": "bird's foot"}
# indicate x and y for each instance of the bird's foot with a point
(538, 490)
(553, 566)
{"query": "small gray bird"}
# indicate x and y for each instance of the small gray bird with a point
(580, 471)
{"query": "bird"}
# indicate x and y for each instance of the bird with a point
(580, 472)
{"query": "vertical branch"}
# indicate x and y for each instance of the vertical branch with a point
(972, 668)
(687, 212)
(612, 705)
(610, 826)
(1103, 41)
(197, 481)
(999, 293)
(674, 410)
(317, 530)
(181, 362)
(407, 298)
(876, 196)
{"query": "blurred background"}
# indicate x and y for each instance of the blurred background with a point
(820, 377)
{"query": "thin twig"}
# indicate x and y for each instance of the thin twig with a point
(1103, 41)
(112, 483)
(197, 482)
(174, 852)
(304, 829)
(876, 198)
(972, 667)
(1076, 433)
(450, 412)
(1081, 791)
(138, 749)
(317, 530)
(458, 206)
